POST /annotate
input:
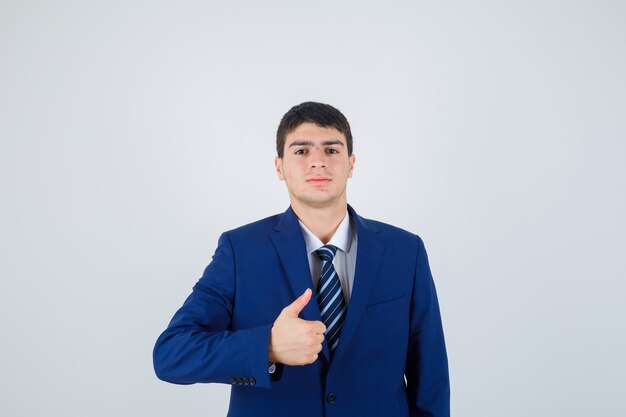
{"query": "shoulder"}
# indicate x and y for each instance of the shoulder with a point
(387, 230)
(254, 229)
(252, 237)
(395, 238)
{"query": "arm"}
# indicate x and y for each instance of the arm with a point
(198, 345)
(428, 384)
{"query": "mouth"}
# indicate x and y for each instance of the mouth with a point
(318, 180)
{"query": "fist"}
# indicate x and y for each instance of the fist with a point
(294, 341)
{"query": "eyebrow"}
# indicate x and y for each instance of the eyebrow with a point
(309, 143)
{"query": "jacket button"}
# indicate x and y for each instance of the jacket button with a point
(252, 381)
(239, 380)
(246, 381)
(233, 381)
(331, 398)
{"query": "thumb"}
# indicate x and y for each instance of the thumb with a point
(293, 309)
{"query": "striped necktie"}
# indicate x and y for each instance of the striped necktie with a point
(330, 297)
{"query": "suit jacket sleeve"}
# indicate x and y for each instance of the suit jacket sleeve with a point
(427, 364)
(199, 344)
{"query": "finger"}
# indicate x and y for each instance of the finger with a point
(318, 327)
(296, 307)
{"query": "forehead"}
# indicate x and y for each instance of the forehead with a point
(311, 132)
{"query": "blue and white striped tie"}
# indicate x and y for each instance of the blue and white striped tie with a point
(330, 297)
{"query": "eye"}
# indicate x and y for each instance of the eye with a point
(300, 152)
(332, 151)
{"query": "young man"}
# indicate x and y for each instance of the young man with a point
(315, 311)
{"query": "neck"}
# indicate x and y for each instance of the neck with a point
(321, 221)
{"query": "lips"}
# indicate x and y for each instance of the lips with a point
(318, 180)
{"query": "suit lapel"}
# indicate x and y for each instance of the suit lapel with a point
(291, 248)
(369, 256)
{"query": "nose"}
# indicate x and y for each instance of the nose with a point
(318, 158)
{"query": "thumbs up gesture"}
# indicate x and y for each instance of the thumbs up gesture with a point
(294, 341)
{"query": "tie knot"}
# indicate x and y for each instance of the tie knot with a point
(326, 253)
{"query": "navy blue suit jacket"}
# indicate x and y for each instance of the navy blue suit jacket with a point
(392, 328)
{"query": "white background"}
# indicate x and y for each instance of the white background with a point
(134, 132)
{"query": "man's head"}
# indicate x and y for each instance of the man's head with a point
(323, 115)
(315, 156)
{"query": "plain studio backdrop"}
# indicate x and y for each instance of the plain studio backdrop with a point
(133, 133)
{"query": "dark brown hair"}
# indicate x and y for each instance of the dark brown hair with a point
(321, 114)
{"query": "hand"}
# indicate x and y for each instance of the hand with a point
(294, 341)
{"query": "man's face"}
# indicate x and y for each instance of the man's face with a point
(315, 166)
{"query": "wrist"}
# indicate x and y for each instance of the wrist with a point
(270, 352)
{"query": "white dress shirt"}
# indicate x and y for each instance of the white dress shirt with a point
(345, 258)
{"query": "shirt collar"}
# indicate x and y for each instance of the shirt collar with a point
(341, 239)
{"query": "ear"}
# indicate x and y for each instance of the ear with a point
(351, 161)
(278, 164)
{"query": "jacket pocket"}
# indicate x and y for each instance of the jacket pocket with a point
(385, 306)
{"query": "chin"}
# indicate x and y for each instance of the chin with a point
(318, 201)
